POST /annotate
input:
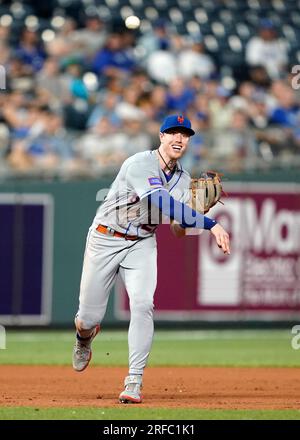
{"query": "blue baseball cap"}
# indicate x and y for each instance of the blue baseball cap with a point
(266, 23)
(177, 121)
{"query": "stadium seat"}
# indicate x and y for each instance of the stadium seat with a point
(193, 28)
(151, 13)
(176, 16)
(226, 16)
(201, 15)
(184, 5)
(252, 18)
(218, 29)
(243, 31)
(211, 43)
(235, 44)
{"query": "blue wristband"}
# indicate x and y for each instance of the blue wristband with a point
(207, 224)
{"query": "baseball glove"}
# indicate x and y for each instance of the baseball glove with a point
(206, 191)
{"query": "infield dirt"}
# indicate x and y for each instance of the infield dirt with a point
(168, 387)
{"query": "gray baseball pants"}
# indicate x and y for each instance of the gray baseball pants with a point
(136, 261)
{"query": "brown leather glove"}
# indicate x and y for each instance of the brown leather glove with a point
(206, 191)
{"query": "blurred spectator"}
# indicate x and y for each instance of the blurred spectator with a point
(4, 53)
(30, 50)
(4, 140)
(91, 38)
(268, 50)
(196, 157)
(114, 60)
(135, 138)
(234, 147)
(106, 108)
(243, 97)
(16, 112)
(19, 75)
(52, 84)
(179, 96)
(139, 77)
(283, 133)
(287, 111)
(101, 147)
(158, 38)
(258, 75)
(140, 81)
(105, 148)
(219, 109)
(258, 112)
(254, 102)
(128, 104)
(162, 65)
(201, 107)
(63, 44)
(193, 61)
(4, 34)
(45, 147)
(159, 101)
(73, 77)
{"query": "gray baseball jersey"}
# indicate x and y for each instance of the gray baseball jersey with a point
(126, 208)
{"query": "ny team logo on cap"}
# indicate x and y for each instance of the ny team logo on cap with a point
(177, 121)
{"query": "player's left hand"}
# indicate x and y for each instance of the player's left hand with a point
(206, 191)
(222, 238)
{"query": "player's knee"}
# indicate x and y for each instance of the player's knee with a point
(142, 307)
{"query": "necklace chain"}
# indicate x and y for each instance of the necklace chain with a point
(170, 169)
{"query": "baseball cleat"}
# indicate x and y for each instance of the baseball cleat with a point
(82, 352)
(132, 392)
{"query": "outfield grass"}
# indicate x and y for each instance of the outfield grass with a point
(185, 348)
(134, 413)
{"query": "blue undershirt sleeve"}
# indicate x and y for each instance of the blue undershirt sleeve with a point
(175, 210)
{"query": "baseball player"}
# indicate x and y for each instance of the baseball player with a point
(150, 187)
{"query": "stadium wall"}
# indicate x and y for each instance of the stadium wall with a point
(48, 221)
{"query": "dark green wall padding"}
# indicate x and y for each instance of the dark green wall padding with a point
(74, 208)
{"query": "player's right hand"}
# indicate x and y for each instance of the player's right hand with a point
(222, 238)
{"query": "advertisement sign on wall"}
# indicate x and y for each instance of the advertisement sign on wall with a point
(26, 241)
(260, 280)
